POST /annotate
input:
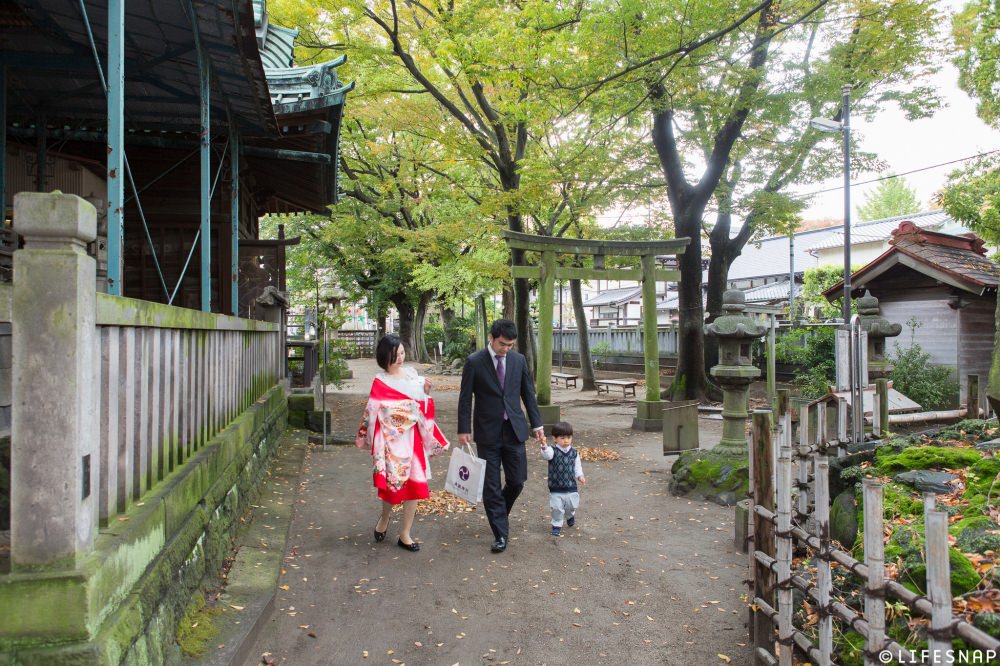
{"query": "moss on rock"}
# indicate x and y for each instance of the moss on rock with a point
(926, 457)
(713, 476)
(980, 477)
(197, 627)
(906, 549)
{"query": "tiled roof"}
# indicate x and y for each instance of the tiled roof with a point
(880, 230)
(769, 256)
(963, 255)
(958, 260)
(615, 296)
(774, 292)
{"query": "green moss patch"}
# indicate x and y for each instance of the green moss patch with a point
(197, 627)
(926, 457)
(708, 475)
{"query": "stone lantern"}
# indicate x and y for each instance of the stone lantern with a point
(736, 332)
(878, 329)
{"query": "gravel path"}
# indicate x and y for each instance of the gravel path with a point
(643, 578)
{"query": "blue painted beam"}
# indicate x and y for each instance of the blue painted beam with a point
(206, 178)
(116, 142)
(3, 143)
(234, 209)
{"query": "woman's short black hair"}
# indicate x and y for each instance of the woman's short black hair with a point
(562, 429)
(503, 328)
(387, 350)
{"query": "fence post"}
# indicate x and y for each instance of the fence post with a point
(881, 415)
(804, 458)
(784, 550)
(972, 397)
(54, 446)
(763, 488)
(875, 560)
(938, 583)
(824, 582)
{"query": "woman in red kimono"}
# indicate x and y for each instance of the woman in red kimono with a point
(399, 429)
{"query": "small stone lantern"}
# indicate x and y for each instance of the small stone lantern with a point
(878, 329)
(736, 332)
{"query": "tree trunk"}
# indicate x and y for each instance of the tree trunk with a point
(407, 316)
(507, 299)
(690, 380)
(420, 319)
(718, 275)
(586, 363)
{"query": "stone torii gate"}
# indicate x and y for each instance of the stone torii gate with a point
(649, 414)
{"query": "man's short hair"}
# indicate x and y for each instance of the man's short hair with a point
(387, 350)
(562, 429)
(503, 328)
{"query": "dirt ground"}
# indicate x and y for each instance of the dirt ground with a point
(643, 577)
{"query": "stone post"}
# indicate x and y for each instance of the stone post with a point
(272, 304)
(54, 443)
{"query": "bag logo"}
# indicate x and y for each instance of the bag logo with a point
(463, 473)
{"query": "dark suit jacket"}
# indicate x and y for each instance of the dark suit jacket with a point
(479, 382)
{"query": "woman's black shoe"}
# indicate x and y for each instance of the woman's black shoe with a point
(412, 547)
(379, 536)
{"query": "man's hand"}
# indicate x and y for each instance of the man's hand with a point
(464, 438)
(540, 436)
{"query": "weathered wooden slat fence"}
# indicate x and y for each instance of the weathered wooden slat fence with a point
(776, 531)
(170, 380)
(140, 434)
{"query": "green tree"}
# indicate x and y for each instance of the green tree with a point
(730, 97)
(973, 193)
(892, 197)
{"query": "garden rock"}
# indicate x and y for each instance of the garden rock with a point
(707, 475)
(928, 482)
(978, 540)
(844, 518)
(991, 445)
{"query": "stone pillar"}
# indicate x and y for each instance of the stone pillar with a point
(54, 443)
(735, 371)
(878, 329)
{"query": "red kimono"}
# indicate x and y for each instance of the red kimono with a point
(401, 434)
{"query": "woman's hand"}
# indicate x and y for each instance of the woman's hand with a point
(427, 385)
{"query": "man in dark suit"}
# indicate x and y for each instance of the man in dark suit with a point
(497, 379)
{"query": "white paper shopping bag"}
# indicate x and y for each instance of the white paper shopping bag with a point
(466, 475)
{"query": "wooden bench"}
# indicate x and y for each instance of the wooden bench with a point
(626, 385)
(568, 379)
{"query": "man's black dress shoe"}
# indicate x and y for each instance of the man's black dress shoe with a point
(499, 545)
(412, 547)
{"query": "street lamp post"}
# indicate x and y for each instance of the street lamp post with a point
(844, 127)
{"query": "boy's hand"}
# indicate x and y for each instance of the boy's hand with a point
(582, 481)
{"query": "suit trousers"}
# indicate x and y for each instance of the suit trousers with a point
(508, 453)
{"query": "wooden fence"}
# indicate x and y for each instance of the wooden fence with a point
(775, 531)
(164, 391)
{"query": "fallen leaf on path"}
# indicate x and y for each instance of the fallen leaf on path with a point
(724, 658)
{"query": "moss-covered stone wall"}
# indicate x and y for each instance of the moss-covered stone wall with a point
(122, 605)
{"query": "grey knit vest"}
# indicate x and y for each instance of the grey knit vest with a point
(561, 468)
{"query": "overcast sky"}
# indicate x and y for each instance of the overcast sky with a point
(953, 133)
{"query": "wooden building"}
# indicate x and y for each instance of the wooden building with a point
(944, 282)
(189, 117)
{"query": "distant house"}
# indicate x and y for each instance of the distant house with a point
(615, 307)
(943, 281)
(770, 261)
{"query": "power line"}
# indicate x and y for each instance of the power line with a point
(898, 175)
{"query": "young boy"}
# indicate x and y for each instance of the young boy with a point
(565, 470)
